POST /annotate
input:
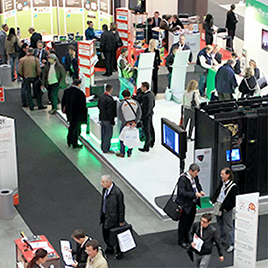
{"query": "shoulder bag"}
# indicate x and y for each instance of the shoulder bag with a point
(139, 125)
(172, 209)
(217, 205)
(16, 46)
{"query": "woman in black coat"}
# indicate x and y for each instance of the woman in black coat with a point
(208, 26)
(249, 86)
(153, 48)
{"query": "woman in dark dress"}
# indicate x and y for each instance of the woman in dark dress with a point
(153, 48)
(249, 86)
(208, 26)
(40, 257)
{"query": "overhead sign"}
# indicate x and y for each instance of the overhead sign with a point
(246, 230)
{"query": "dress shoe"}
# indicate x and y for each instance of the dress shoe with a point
(109, 152)
(120, 155)
(118, 256)
(42, 107)
(143, 150)
(53, 111)
(184, 245)
(77, 146)
(31, 108)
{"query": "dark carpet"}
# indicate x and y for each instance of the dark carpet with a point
(55, 199)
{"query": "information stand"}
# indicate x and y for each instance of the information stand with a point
(179, 74)
(8, 156)
(24, 253)
(86, 64)
(145, 68)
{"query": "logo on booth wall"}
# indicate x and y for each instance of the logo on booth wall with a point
(200, 157)
(252, 208)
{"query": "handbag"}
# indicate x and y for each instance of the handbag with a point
(172, 209)
(117, 230)
(16, 46)
(262, 82)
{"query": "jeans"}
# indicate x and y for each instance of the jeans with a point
(106, 135)
(225, 222)
(53, 92)
(202, 84)
(201, 261)
(13, 59)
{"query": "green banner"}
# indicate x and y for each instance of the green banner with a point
(261, 10)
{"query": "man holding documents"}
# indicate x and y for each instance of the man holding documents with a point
(202, 236)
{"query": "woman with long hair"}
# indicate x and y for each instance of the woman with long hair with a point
(208, 26)
(190, 102)
(157, 61)
(13, 46)
(253, 64)
(40, 257)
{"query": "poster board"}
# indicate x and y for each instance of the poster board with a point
(8, 156)
(203, 158)
(246, 231)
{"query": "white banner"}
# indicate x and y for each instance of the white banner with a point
(8, 154)
(203, 159)
(246, 230)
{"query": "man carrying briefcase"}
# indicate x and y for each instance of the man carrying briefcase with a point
(112, 213)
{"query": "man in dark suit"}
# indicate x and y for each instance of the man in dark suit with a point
(188, 196)
(156, 19)
(41, 53)
(182, 46)
(147, 106)
(34, 38)
(74, 105)
(81, 240)
(231, 21)
(107, 107)
(112, 211)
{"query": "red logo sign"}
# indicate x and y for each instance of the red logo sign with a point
(2, 94)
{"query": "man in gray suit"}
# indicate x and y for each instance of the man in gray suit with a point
(3, 37)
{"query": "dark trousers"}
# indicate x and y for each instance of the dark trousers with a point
(106, 234)
(229, 41)
(28, 82)
(114, 62)
(106, 135)
(155, 81)
(23, 94)
(148, 129)
(53, 92)
(108, 62)
(74, 132)
(185, 224)
(189, 115)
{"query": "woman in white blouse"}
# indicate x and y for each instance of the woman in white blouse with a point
(190, 102)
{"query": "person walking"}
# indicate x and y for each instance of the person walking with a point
(208, 234)
(129, 113)
(147, 106)
(112, 212)
(224, 198)
(153, 49)
(13, 46)
(107, 107)
(190, 102)
(225, 81)
(30, 71)
(189, 191)
(231, 21)
(74, 106)
(53, 79)
(3, 37)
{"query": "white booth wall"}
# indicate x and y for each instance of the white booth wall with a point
(253, 37)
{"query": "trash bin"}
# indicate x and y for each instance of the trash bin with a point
(5, 75)
(7, 211)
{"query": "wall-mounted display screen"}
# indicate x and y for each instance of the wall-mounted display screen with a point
(234, 155)
(264, 40)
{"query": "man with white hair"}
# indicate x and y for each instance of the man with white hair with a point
(225, 80)
(112, 211)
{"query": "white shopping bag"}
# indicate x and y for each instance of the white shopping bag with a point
(130, 136)
(126, 241)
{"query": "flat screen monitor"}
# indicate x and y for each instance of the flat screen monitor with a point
(138, 6)
(174, 138)
(63, 38)
(79, 38)
(98, 33)
(233, 155)
(264, 40)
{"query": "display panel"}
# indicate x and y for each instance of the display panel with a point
(234, 155)
(174, 138)
(264, 40)
(137, 5)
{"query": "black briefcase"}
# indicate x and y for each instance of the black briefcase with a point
(118, 230)
(172, 209)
